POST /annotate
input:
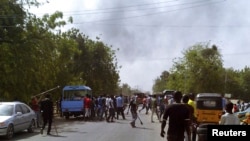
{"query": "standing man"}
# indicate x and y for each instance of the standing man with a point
(119, 106)
(229, 118)
(35, 106)
(178, 115)
(47, 113)
(87, 107)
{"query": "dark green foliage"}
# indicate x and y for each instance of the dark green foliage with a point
(35, 56)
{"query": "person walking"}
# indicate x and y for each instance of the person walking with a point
(111, 107)
(101, 107)
(47, 111)
(162, 105)
(185, 100)
(133, 106)
(191, 102)
(148, 104)
(154, 108)
(119, 107)
(178, 115)
(229, 118)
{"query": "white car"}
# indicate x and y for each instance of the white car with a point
(16, 117)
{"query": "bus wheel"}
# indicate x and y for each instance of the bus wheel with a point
(66, 115)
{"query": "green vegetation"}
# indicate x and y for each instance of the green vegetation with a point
(35, 55)
(201, 70)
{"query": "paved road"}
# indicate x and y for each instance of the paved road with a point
(76, 129)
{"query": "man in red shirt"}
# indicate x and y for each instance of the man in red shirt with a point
(87, 107)
(36, 108)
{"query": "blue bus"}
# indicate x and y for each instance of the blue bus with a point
(72, 100)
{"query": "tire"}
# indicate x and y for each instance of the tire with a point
(10, 132)
(32, 126)
(67, 116)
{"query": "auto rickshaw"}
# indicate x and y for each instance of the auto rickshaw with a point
(209, 108)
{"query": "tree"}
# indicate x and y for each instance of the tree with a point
(36, 56)
(198, 71)
(233, 81)
(245, 73)
(98, 65)
(15, 63)
(160, 83)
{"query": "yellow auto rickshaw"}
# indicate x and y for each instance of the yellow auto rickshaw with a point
(209, 107)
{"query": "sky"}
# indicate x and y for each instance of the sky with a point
(150, 34)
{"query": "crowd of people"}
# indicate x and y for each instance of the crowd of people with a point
(240, 106)
(105, 107)
(179, 110)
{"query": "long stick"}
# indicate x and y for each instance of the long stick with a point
(47, 91)
(139, 119)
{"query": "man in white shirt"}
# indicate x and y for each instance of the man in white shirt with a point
(229, 118)
(111, 107)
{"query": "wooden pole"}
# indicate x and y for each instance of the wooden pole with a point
(47, 91)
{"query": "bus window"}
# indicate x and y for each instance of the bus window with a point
(75, 93)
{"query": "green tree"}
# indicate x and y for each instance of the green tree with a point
(30, 61)
(198, 71)
(233, 81)
(35, 55)
(14, 60)
(160, 83)
(245, 73)
(96, 64)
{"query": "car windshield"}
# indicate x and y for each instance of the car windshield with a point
(6, 110)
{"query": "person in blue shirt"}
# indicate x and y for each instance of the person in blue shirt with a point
(119, 107)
